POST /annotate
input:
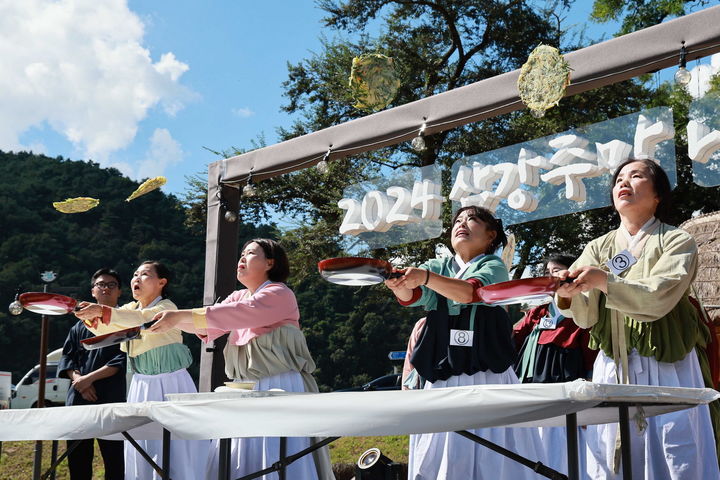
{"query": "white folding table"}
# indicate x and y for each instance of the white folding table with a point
(224, 415)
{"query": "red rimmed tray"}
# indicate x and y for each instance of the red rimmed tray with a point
(356, 271)
(525, 290)
(47, 303)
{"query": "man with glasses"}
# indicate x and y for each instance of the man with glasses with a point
(98, 376)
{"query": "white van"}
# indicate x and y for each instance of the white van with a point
(5, 389)
(25, 394)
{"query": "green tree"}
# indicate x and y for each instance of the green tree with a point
(639, 14)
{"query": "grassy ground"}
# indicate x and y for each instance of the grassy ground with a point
(16, 460)
(348, 449)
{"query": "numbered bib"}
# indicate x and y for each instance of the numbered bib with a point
(461, 338)
(621, 262)
(550, 322)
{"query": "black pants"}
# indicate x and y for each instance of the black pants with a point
(80, 459)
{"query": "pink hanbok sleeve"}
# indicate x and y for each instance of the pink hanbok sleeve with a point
(412, 341)
(272, 306)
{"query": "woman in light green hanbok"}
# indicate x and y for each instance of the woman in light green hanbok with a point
(631, 286)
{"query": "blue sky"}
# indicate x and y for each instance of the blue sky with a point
(144, 85)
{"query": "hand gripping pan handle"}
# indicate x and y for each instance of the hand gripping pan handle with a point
(520, 291)
(113, 338)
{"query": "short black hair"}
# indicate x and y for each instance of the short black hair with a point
(105, 271)
(162, 271)
(280, 270)
(661, 184)
(495, 224)
(562, 258)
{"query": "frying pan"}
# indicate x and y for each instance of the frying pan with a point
(56, 304)
(113, 338)
(356, 271)
(525, 290)
(47, 303)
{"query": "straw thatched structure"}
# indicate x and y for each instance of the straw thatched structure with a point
(706, 231)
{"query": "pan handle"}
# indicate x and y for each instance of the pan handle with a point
(147, 325)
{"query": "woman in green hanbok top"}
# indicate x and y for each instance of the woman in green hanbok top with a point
(631, 286)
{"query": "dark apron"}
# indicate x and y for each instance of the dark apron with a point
(435, 359)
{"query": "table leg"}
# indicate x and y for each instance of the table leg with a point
(571, 429)
(53, 457)
(166, 455)
(625, 441)
(283, 453)
(224, 459)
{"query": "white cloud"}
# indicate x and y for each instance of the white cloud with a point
(81, 67)
(169, 65)
(700, 81)
(243, 112)
(164, 152)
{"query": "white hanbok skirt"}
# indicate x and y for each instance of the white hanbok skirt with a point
(554, 440)
(448, 456)
(677, 446)
(187, 457)
(250, 455)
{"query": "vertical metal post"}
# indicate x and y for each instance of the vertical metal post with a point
(283, 454)
(44, 324)
(224, 459)
(571, 429)
(625, 442)
(221, 249)
(53, 458)
(166, 454)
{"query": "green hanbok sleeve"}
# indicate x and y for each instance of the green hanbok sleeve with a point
(649, 289)
(584, 308)
(657, 285)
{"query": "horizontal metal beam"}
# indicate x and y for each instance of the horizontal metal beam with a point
(605, 63)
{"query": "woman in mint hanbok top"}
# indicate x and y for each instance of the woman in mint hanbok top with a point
(158, 362)
(464, 342)
(631, 286)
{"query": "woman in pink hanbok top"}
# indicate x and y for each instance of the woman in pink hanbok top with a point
(265, 345)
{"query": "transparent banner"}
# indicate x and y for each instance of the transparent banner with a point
(404, 206)
(562, 173)
(703, 138)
